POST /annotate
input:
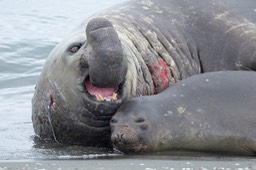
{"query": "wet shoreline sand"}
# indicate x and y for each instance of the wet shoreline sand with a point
(134, 164)
(160, 161)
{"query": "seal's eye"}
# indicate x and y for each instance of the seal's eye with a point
(139, 120)
(75, 48)
(113, 120)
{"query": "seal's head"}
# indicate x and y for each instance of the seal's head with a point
(81, 86)
(90, 74)
(131, 129)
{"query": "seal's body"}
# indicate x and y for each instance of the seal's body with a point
(137, 48)
(212, 112)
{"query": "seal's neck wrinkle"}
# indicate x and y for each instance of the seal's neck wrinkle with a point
(107, 62)
(155, 69)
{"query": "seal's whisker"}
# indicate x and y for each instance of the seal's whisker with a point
(50, 120)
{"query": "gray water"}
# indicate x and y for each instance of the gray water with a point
(29, 30)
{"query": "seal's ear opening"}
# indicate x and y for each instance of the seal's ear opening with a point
(107, 61)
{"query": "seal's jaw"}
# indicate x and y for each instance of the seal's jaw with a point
(129, 149)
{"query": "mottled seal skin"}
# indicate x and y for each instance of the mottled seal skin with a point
(137, 48)
(211, 112)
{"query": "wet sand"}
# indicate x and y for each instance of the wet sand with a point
(133, 164)
(157, 161)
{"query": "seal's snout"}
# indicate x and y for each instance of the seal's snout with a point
(119, 137)
(124, 135)
(107, 61)
(126, 139)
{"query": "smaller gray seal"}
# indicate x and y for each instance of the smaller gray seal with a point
(211, 112)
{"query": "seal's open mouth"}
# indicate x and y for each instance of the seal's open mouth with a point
(102, 94)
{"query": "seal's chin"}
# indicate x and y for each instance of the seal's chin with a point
(129, 148)
(110, 94)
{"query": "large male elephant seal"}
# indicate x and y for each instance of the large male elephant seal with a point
(138, 48)
(213, 112)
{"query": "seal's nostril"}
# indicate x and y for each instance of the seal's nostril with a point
(120, 136)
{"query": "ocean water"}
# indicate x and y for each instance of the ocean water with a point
(29, 31)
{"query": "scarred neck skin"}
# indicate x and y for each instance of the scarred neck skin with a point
(152, 67)
(149, 73)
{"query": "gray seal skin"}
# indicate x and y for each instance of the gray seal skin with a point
(137, 48)
(211, 112)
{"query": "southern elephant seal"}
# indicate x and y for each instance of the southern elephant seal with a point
(137, 48)
(210, 112)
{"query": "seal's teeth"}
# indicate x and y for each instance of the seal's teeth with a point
(114, 96)
(99, 97)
